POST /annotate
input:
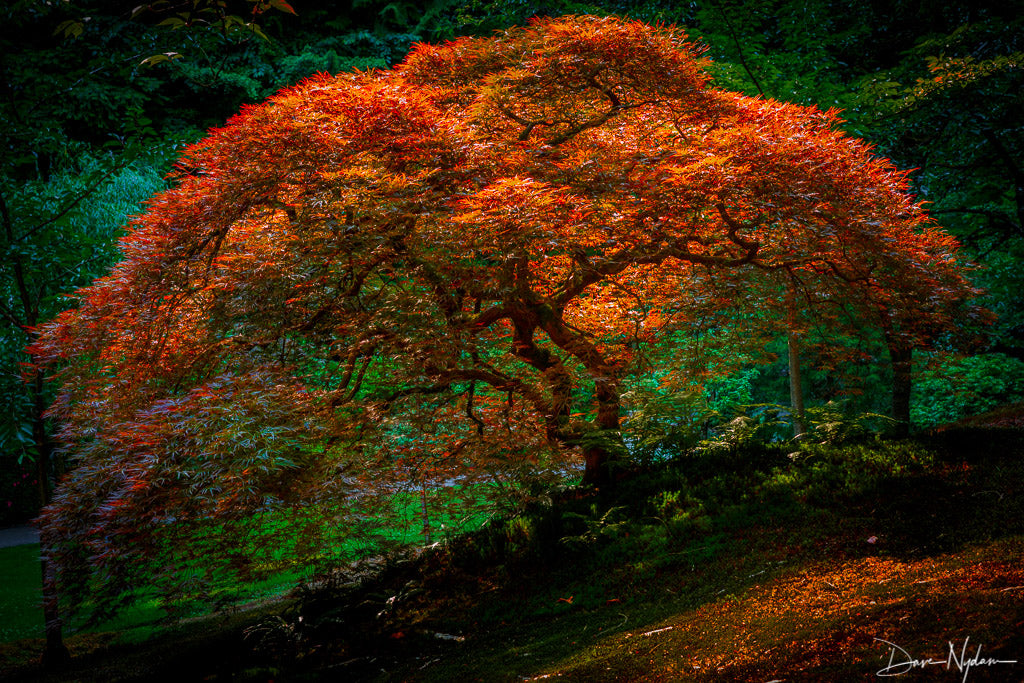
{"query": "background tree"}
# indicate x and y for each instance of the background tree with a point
(496, 225)
(882, 65)
(951, 108)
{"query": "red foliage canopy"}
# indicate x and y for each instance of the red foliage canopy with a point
(475, 242)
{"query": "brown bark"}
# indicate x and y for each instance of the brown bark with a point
(604, 453)
(601, 459)
(796, 392)
(901, 357)
(55, 655)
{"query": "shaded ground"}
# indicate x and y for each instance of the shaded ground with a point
(845, 622)
(747, 566)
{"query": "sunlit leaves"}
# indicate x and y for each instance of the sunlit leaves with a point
(153, 60)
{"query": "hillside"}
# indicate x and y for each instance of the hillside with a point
(746, 564)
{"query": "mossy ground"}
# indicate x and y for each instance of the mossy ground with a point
(747, 565)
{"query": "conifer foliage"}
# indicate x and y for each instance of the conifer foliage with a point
(454, 262)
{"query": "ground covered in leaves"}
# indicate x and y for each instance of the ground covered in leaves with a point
(837, 563)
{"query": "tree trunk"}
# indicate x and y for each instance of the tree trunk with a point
(605, 453)
(796, 392)
(56, 654)
(426, 514)
(596, 471)
(901, 357)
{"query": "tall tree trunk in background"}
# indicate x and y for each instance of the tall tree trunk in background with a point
(56, 654)
(44, 448)
(901, 357)
(796, 391)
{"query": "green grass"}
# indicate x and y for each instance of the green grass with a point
(20, 603)
(20, 613)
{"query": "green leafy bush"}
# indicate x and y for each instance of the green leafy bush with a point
(960, 387)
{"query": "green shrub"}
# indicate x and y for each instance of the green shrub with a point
(961, 387)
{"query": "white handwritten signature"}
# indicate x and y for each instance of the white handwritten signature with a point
(900, 661)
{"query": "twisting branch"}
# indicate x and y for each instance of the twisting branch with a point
(734, 235)
(469, 408)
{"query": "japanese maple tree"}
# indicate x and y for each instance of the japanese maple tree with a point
(454, 261)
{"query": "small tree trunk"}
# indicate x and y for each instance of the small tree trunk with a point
(796, 392)
(426, 515)
(56, 654)
(595, 473)
(901, 357)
